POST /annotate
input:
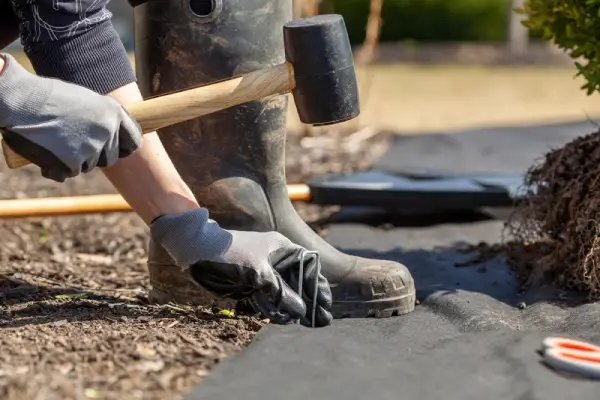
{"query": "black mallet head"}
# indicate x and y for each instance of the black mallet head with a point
(326, 91)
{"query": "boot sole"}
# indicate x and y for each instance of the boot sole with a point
(384, 308)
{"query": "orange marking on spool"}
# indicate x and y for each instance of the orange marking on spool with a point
(584, 356)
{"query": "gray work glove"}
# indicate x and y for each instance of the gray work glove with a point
(260, 267)
(63, 128)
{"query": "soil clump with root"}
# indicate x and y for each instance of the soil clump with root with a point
(554, 235)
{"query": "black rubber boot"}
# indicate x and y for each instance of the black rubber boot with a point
(234, 159)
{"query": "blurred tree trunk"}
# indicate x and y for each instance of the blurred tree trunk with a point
(305, 8)
(298, 8)
(518, 35)
(311, 7)
(368, 51)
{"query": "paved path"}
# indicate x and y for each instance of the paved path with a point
(467, 340)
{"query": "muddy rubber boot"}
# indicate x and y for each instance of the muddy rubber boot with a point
(233, 160)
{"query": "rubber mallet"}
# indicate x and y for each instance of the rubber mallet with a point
(319, 71)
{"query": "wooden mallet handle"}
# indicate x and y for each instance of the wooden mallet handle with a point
(170, 109)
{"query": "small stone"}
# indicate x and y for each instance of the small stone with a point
(522, 305)
(91, 393)
(142, 351)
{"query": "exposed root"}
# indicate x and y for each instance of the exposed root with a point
(557, 235)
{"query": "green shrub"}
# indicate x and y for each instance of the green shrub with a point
(428, 20)
(574, 26)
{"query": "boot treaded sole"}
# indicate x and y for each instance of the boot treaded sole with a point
(185, 291)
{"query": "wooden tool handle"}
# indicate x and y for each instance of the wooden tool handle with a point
(170, 109)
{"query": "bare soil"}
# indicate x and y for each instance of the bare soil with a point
(74, 319)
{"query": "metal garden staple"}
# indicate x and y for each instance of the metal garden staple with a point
(316, 288)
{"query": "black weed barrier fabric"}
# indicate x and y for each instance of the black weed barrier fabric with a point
(473, 335)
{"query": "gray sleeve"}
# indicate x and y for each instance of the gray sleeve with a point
(74, 40)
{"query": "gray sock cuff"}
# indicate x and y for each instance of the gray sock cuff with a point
(190, 237)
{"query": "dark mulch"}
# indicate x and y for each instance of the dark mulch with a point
(74, 320)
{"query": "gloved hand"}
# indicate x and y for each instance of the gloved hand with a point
(261, 267)
(63, 128)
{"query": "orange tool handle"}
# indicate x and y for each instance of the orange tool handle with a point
(94, 204)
